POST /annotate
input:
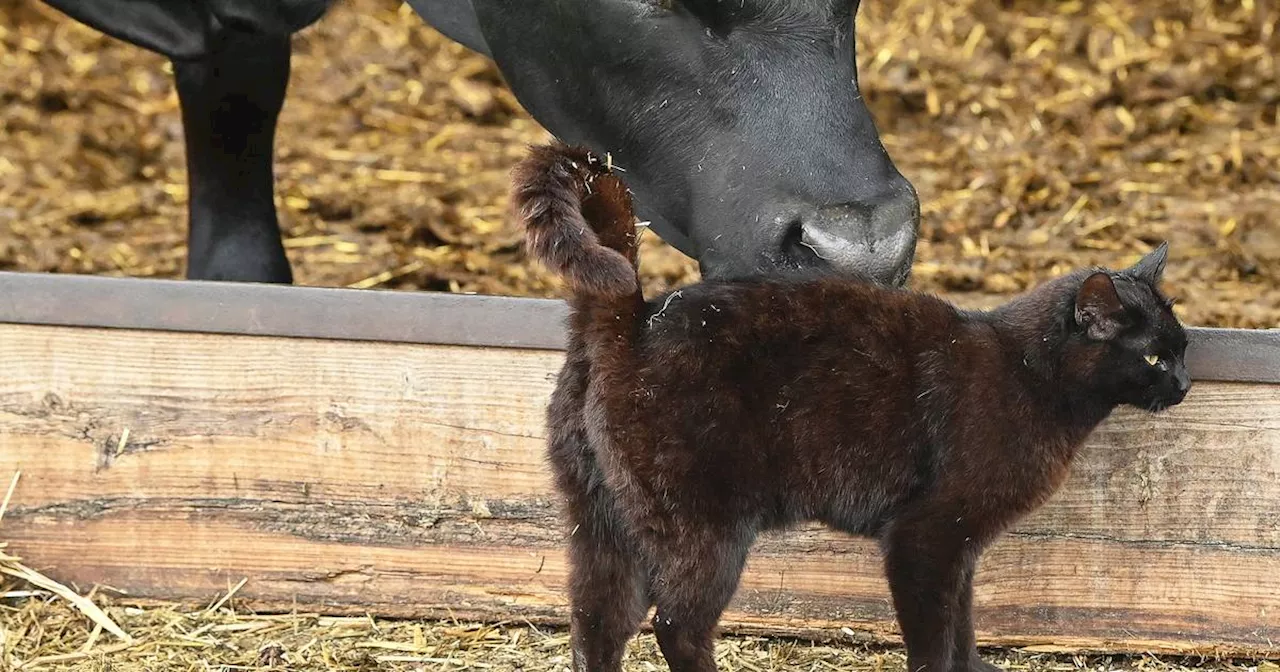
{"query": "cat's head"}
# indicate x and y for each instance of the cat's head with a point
(1135, 345)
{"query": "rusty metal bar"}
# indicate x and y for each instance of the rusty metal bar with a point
(1245, 355)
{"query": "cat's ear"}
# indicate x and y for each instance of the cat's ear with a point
(1151, 267)
(1098, 307)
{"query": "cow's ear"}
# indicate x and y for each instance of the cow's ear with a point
(174, 28)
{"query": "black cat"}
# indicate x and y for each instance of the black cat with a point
(683, 427)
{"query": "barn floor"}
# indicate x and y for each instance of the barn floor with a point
(50, 636)
(1041, 136)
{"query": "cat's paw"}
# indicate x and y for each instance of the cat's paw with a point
(977, 664)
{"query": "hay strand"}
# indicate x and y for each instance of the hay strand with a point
(174, 637)
(12, 566)
(230, 593)
(13, 485)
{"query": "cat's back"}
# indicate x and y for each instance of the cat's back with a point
(810, 340)
(801, 387)
(800, 313)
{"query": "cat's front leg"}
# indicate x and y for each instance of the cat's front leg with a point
(975, 663)
(966, 649)
(926, 566)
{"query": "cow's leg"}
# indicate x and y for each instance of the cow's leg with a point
(231, 99)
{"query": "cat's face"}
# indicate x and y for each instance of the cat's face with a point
(1139, 342)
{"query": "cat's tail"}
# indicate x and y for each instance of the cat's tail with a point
(578, 222)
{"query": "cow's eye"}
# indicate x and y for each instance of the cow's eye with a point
(717, 14)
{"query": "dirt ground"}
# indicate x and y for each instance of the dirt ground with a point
(1042, 136)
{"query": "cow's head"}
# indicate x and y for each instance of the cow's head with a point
(738, 122)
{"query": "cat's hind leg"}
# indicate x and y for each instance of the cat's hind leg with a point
(695, 576)
(608, 581)
(608, 595)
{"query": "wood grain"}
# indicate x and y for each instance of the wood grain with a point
(409, 480)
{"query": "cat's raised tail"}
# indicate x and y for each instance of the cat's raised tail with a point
(578, 221)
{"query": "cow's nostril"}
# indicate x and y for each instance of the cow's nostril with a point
(796, 252)
(848, 239)
(875, 237)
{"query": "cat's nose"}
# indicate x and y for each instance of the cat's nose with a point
(1183, 378)
(1182, 383)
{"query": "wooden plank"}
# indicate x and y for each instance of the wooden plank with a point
(409, 480)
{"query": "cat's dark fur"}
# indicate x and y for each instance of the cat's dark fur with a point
(683, 427)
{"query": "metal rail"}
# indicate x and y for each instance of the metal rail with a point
(1245, 355)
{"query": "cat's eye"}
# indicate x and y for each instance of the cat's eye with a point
(1152, 359)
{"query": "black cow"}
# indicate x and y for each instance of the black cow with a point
(739, 122)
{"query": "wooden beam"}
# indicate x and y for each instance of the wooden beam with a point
(407, 479)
